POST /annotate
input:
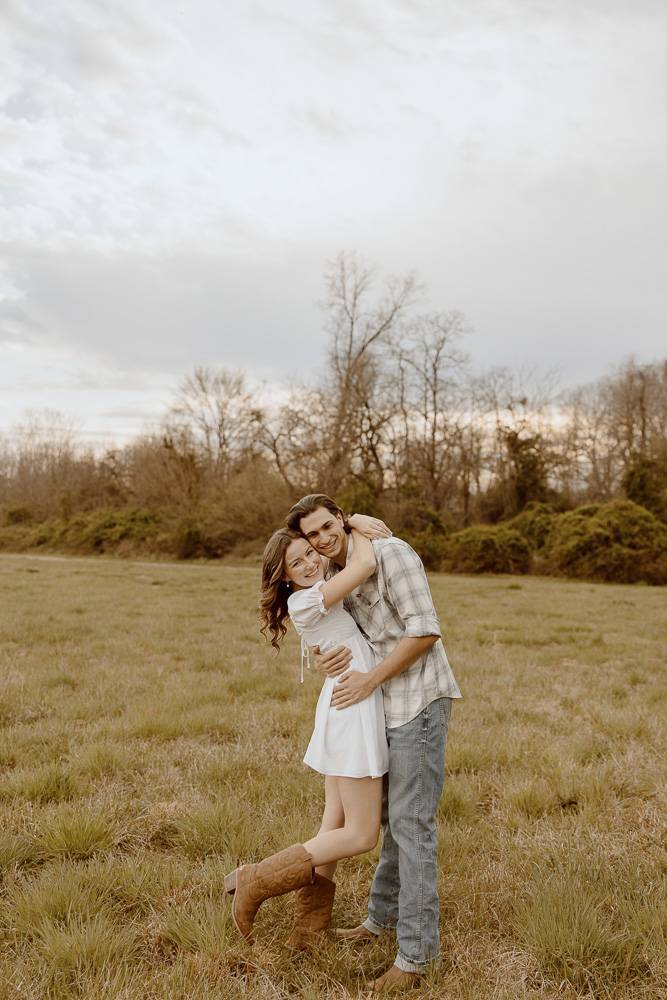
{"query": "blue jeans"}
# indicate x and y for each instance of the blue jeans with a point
(404, 895)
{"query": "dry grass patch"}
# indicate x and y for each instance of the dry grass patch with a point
(46, 783)
(149, 742)
(16, 850)
(100, 758)
(210, 828)
(197, 926)
(80, 946)
(75, 832)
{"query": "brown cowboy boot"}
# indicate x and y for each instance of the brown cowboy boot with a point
(312, 913)
(251, 884)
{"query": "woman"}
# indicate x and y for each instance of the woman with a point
(349, 746)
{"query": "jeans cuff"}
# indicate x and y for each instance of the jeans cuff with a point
(371, 926)
(419, 968)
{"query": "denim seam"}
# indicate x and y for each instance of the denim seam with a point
(396, 885)
(416, 837)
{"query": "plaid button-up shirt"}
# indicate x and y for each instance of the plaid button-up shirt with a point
(394, 602)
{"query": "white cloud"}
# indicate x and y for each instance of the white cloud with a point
(163, 314)
(174, 177)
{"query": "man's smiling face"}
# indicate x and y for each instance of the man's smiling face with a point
(326, 534)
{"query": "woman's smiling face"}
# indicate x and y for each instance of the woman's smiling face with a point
(303, 565)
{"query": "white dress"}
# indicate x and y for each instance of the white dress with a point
(350, 743)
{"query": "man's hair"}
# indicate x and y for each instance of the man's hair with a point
(308, 505)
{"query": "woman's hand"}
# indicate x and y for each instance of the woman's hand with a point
(371, 527)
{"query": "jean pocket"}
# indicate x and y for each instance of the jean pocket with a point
(445, 712)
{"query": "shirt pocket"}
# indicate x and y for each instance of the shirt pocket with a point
(368, 594)
(366, 608)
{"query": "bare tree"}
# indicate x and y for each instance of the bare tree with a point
(591, 460)
(360, 322)
(610, 424)
(165, 469)
(517, 404)
(296, 434)
(48, 463)
(636, 400)
(429, 381)
(220, 413)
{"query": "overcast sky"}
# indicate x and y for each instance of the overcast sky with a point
(175, 175)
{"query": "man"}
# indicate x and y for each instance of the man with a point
(394, 609)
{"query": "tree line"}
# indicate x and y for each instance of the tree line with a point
(397, 424)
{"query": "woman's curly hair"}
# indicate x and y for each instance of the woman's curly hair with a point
(275, 590)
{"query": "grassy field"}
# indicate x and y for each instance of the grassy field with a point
(149, 741)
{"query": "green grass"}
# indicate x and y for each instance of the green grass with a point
(148, 742)
(45, 783)
(76, 832)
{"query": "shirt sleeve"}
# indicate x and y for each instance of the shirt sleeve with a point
(407, 589)
(306, 607)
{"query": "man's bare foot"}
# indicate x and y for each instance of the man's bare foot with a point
(394, 979)
(354, 935)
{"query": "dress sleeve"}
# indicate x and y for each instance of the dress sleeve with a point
(306, 607)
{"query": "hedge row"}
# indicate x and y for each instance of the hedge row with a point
(618, 542)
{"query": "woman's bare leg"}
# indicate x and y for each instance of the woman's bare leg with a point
(333, 818)
(361, 802)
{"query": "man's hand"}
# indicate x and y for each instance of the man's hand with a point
(332, 663)
(351, 688)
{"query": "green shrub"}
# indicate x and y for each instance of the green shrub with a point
(617, 542)
(430, 546)
(18, 515)
(535, 523)
(23, 536)
(645, 483)
(187, 540)
(42, 534)
(486, 549)
(358, 496)
(251, 507)
(101, 530)
(422, 527)
(207, 534)
(87, 532)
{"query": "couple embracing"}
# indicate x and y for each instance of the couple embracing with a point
(360, 599)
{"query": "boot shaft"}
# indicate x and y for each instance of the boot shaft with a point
(286, 871)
